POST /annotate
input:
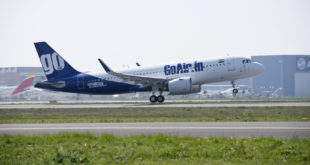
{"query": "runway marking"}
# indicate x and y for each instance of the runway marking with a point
(156, 128)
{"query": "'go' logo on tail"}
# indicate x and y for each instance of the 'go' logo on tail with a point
(52, 62)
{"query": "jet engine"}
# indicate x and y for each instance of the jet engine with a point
(182, 85)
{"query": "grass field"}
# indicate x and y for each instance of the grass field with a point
(150, 149)
(203, 114)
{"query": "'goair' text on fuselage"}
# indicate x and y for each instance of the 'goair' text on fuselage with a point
(183, 68)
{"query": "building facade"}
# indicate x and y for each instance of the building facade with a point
(12, 76)
(286, 75)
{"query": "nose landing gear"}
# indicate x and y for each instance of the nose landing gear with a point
(235, 90)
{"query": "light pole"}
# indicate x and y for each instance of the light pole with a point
(281, 76)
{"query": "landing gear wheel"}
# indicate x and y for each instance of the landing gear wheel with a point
(160, 99)
(235, 91)
(153, 99)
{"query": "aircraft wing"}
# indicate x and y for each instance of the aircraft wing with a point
(145, 81)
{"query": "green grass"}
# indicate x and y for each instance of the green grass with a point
(186, 114)
(150, 149)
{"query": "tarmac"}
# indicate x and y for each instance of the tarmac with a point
(197, 129)
(200, 129)
(126, 105)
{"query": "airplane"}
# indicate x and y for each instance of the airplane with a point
(25, 85)
(178, 78)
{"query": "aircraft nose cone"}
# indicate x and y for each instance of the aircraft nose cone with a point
(259, 68)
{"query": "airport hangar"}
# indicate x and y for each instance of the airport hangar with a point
(288, 74)
(284, 76)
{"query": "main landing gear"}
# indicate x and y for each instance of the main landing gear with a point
(235, 90)
(154, 99)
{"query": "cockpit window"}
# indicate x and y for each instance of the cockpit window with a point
(246, 61)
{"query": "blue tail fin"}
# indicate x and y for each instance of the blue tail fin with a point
(54, 66)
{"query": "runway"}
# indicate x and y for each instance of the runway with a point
(201, 129)
(127, 105)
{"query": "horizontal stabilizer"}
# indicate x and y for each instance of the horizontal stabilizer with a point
(59, 84)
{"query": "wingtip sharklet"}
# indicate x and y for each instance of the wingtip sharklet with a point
(105, 67)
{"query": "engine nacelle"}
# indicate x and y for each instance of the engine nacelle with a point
(182, 86)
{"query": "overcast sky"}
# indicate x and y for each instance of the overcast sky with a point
(122, 32)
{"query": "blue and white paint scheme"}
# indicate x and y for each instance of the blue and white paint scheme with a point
(179, 78)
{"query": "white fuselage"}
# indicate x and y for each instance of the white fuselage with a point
(201, 72)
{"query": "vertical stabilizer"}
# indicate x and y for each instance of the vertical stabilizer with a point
(25, 85)
(54, 66)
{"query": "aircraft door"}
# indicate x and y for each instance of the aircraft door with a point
(244, 67)
(231, 65)
(80, 82)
